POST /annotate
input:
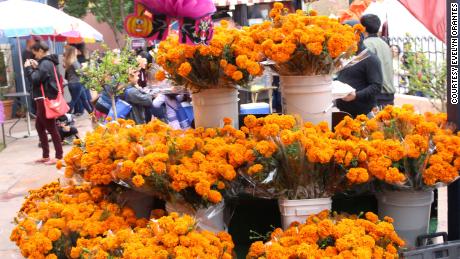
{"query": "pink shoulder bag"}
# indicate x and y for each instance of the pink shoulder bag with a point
(55, 107)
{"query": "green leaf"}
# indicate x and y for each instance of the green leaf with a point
(105, 215)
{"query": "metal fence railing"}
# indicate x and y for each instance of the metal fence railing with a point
(419, 63)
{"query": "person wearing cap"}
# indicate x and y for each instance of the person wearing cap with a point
(364, 74)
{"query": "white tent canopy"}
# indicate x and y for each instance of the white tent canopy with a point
(25, 18)
(21, 18)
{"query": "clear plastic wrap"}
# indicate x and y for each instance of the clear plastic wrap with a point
(261, 187)
(210, 218)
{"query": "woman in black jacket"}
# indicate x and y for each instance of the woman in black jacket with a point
(44, 73)
(364, 74)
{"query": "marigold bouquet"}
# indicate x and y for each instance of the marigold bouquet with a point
(167, 237)
(196, 164)
(230, 59)
(78, 222)
(53, 217)
(304, 44)
(404, 149)
(296, 162)
(332, 236)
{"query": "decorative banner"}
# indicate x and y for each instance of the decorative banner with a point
(354, 12)
(151, 20)
(431, 13)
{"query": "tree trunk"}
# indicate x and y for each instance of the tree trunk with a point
(113, 24)
(122, 10)
(115, 33)
(114, 107)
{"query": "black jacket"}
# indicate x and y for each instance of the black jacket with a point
(44, 74)
(366, 78)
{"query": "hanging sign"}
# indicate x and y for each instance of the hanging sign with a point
(151, 20)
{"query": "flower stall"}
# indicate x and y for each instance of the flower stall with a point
(295, 158)
(408, 154)
(212, 72)
(305, 49)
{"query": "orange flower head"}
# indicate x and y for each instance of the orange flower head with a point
(237, 75)
(184, 69)
(160, 75)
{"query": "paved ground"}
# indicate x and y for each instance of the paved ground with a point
(18, 174)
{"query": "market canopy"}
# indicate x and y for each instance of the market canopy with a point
(26, 18)
(80, 30)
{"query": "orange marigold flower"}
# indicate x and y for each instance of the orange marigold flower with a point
(358, 175)
(220, 185)
(278, 5)
(388, 219)
(59, 164)
(54, 234)
(223, 63)
(250, 121)
(257, 168)
(237, 75)
(227, 121)
(214, 196)
(138, 180)
(184, 69)
(315, 48)
(359, 27)
(160, 75)
(371, 217)
(203, 188)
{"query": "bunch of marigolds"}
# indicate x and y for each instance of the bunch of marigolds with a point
(332, 236)
(297, 161)
(53, 217)
(303, 43)
(197, 163)
(79, 222)
(231, 58)
(404, 149)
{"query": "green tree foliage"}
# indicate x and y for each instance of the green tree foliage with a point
(77, 8)
(109, 71)
(113, 12)
(426, 76)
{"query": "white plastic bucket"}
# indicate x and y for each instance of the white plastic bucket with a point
(211, 106)
(211, 219)
(308, 96)
(410, 211)
(299, 210)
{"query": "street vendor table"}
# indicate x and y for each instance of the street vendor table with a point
(19, 95)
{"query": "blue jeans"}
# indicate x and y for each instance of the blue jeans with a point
(78, 93)
(79, 105)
